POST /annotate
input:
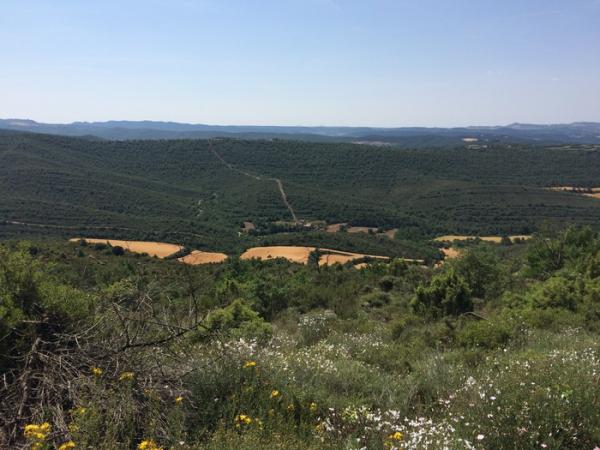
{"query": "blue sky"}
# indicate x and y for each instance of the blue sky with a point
(302, 62)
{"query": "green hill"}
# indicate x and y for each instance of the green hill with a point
(198, 192)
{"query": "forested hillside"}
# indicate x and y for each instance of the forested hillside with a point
(198, 192)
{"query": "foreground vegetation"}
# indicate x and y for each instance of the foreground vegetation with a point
(497, 349)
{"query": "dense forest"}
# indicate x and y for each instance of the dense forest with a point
(496, 349)
(198, 192)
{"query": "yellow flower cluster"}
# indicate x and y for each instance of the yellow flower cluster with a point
(148, 444)
(126, 376)
(397, 436)
(37, 433)
(97, 371)
(249, 364)
(67, 445)
(243, 419)
(179, 400)
(80, 411)
(275, 393)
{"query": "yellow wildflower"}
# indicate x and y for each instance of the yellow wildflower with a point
(290, 407)
(313, 407)
(126, 376)
(97, 371)
(37, 432)
(397, 436)
(243, 419)
(80, 411)
(179, 400)
(275, 393)
(148, 444)
(67, 445)
(249, 364)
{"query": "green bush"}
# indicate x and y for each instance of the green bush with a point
(487, 334)
(446, 294)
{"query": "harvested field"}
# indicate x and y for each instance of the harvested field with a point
(362, 230)
(593, 192)
(450, 253)
(301, 254)
(576, 189)
(335, 227)
(198, 257)
(391, 233)
(495, 239)
(158, 249)
(293, 254)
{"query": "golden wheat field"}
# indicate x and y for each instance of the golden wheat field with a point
(198, 257)
(158, 249)
(301, 254)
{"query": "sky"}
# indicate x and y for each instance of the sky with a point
(389, 63)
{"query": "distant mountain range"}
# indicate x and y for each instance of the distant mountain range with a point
(579, 132)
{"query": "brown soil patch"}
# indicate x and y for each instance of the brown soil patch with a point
(198, 257)
(450, 253)
(391, 233)
(158, 249)
(361, 229)
(335, 227)
(248, 226)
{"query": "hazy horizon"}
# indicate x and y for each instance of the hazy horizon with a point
(475, 125)
(302, 62)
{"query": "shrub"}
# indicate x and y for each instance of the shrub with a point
(486, 334)
(237, 319)
(446, 294)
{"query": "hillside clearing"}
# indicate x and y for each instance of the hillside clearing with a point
(301, 255)
(294, 254)
(158, 249)
(198, 257)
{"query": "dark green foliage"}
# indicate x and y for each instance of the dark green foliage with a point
(33, 305)
(446, 294)
(197, 192)
(487, 334)
(482, 271)
(236, 319)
